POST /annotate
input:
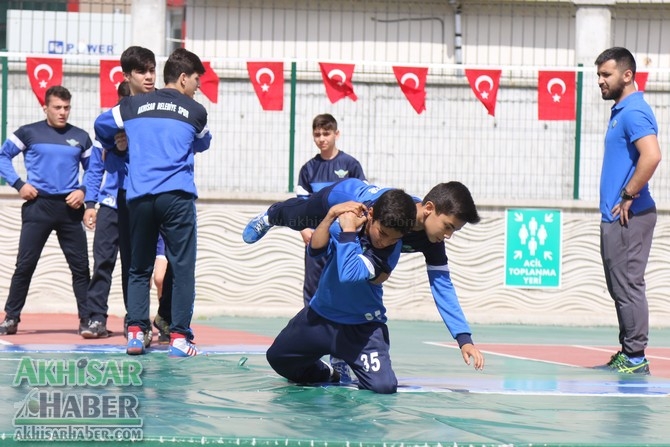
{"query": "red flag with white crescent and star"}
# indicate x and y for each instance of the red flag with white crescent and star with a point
(337, 79)
(268, 81)
(412, 82)
(209, 83)
(485, 85)
(111, 75)
(641, 80)
(44, 73)
(556, 94)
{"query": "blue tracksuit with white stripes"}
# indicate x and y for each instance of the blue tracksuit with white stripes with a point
(346, 318)
(53, 158)
(165, 128)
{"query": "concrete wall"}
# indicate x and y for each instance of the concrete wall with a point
(265, 279)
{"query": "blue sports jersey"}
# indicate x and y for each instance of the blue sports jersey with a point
(631, 119)
(52, 157)
(318, 173)
(104, 177)
(159, 161)
(434, 253)
(346, 294)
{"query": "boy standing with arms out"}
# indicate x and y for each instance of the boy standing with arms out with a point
(443, 211)
(632, 154)
(346, 318)
(53, 151)
(165, 128)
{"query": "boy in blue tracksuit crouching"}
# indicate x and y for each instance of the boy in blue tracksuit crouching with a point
(347, 318)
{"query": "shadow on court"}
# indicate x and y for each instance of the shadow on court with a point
(534, 390)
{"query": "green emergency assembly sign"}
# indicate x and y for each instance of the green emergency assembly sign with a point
(533, 248)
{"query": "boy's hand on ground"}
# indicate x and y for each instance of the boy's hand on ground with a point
(468, 350)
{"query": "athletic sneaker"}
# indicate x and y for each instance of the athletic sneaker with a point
(136, 342)
(9, 326)
(256, 228)
(621, 363)
(180, 347)
(163, 330)
(95, 329)
(148, 333)
(342, 369)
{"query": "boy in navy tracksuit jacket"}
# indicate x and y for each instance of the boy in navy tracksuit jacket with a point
(165, 127)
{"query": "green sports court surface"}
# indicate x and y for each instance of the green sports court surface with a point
(536, 389)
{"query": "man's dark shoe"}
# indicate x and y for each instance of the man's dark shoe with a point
(9, 326)
(620, 363)
(95, 329)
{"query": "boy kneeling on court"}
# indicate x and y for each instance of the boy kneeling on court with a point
(346, 318)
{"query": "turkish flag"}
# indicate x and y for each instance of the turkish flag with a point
(268, 81)
(485, 84)
(111, 75)
(337, 79)
(641, 80)
(44, 73)
(556, 92)
(209, 83)
(412, 82)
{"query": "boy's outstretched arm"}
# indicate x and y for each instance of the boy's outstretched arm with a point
(468, 350)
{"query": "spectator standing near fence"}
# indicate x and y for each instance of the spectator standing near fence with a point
(53, 152)
(628, 211)
(325, 168)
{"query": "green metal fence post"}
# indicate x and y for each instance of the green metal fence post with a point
(578, 133)
(291, 148)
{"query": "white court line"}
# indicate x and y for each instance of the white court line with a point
(518, 357)
(5, 342)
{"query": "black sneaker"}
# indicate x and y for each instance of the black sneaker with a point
(83, 325)
(163, 330)
(620, 363)
(95, 329)
(9, 326)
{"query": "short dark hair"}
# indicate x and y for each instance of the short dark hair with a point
(59, 92)
(395, 209)
(624, 59)
(123, 89)
(137, 58)
(454, 199)
(182, 61)
(324, 121)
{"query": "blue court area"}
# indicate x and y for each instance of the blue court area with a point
(232, 397)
